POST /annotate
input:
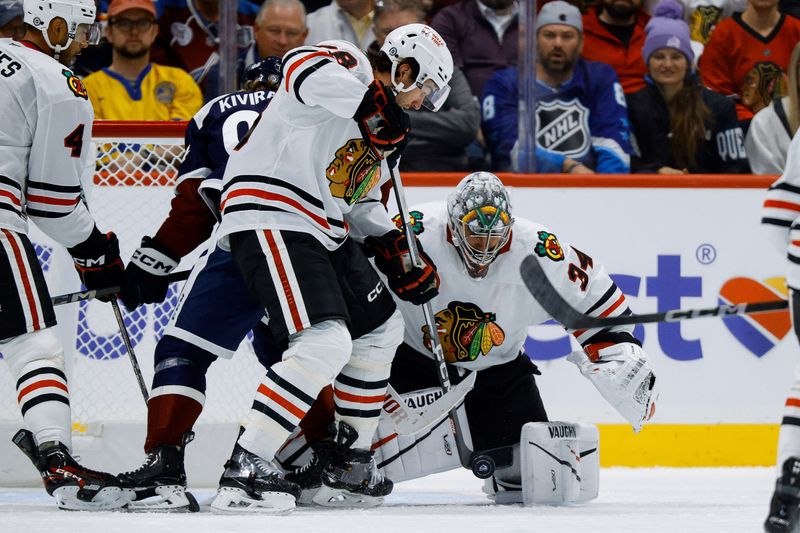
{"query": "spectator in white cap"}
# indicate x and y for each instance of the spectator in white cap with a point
(698, 126)
(580, 106)
(11, 24)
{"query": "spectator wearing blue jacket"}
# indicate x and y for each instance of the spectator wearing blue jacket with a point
(580, 109)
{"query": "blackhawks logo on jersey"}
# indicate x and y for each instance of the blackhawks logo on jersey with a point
(354, 171)
(75, 84)
(465, 332)
(415, 221)
(549, 246)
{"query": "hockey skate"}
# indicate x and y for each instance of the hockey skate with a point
(74, 487)
(784, 510)
(251, 484)
(502, 492)
(159, 485)
(351, 478)
(309, 476)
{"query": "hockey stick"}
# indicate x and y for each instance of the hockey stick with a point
(132, 356)
(546, 294)
(80, 296)
(483, 464)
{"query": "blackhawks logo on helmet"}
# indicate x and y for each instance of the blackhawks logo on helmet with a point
(415, 221)
(465, 332)
(549, 246)
(354, 171)
(75, 84)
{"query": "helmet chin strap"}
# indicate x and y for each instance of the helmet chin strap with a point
(56, 48)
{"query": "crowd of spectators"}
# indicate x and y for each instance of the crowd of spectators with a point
(649, 86)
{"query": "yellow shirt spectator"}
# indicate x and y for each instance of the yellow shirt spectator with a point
(159, 93)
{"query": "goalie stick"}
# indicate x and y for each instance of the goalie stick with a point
(546, 294)
(80, 296)
(406, 421)
(482, 464)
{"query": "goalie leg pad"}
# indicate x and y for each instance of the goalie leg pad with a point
(404, 457)
(559, 462)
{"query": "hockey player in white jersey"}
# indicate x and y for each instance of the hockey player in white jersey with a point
(45, 138)
(780, 218)
(306, 178)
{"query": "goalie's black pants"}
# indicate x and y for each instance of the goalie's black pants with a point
(505, 397)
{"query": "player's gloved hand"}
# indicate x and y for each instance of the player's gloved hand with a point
(411, 284)
(622, 374)
(97, 261)
(146, 276)
(382, 122)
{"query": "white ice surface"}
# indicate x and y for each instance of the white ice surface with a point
(719, 500)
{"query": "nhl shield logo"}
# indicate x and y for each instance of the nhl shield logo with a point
(563, 126)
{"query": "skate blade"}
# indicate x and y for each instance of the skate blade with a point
(167, 499)
(231, 500)
(331, 497)
(106, 499)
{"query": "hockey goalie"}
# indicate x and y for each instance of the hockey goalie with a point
(483, 312)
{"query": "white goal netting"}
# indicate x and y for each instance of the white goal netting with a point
(129, 189)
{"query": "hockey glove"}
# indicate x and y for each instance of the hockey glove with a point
(411, 284)
(146, 278)
(97, 261)
(622, 374)
(382, 122)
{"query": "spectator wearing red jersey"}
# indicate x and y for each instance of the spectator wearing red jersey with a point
(613, 33)
(482, 35)
(747, 56)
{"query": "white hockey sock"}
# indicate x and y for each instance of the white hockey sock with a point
(360, 388)
(789, 436)
(359, 395)
(44, 401)
(36, 361)
(282, 400)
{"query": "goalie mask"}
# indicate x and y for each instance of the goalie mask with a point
(78, 14)
(479, 218)
(422, 44)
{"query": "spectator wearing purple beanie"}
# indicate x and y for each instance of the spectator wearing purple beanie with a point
(697, 126)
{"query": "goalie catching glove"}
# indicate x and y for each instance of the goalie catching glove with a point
(622, 374)
(97, 261)
(392, 257)
(382, 122)
(146, 276)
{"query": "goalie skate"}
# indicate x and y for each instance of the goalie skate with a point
(74, 487)
(351, 478)
(251, 484)
(159, 485)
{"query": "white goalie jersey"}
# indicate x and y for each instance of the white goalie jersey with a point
(45, 138)
(305, 165)
(484, 322)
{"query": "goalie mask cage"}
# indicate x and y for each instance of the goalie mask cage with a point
(129, 186)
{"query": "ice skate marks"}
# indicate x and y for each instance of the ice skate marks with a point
(758, 333)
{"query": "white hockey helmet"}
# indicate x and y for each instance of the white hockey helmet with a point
(78, 14)
(479, 217)
(423, 44)
(361, 70)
